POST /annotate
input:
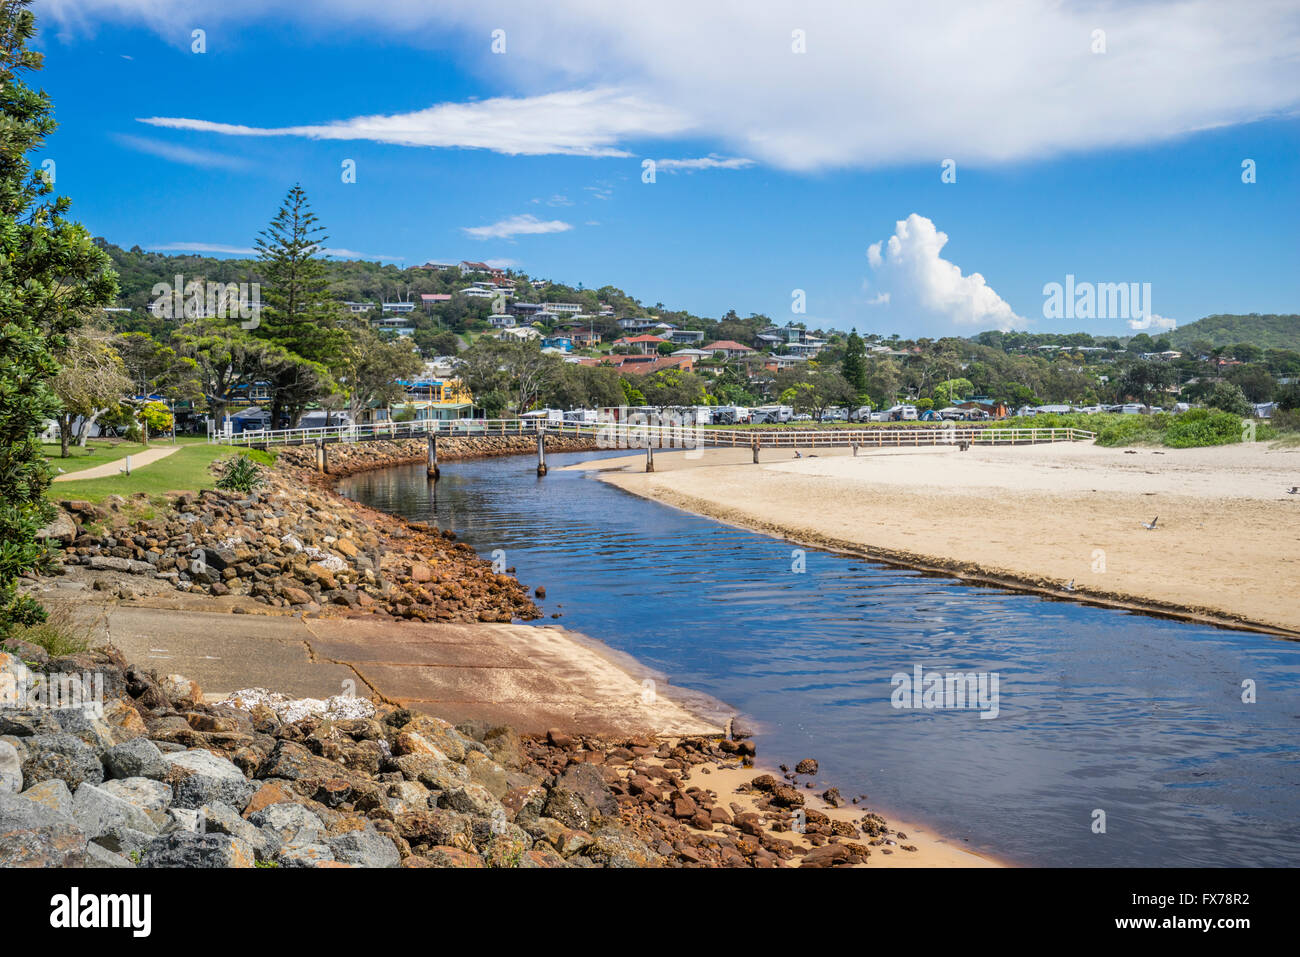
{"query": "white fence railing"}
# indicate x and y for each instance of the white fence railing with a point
(634, 435)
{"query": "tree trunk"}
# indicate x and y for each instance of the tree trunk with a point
(65, 428)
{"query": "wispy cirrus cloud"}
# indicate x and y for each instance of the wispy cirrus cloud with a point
(712, 161)
(221, 249)
(522, 225)
(176, 153)
(574, 123)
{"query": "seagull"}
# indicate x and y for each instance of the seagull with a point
(1152, 526)
(1293, 490)
(1070, 585)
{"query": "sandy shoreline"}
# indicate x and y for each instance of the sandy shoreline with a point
(1226, 549)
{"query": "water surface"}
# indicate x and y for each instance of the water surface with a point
(1099, 709)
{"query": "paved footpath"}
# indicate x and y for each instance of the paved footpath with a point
(110, 469)
(531, 677)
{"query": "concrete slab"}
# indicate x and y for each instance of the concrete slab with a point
(530, 677)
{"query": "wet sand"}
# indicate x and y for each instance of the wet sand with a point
(1226, 548)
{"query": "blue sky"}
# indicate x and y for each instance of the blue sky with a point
(1114, 166)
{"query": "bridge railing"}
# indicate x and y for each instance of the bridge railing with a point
(629, 435)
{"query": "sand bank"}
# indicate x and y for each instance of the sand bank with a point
(1226, 547)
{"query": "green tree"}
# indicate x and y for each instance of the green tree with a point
(91, 383)
(51, 275)
(371, 366)
(854, 364)
(298, 313)
(1229, 398)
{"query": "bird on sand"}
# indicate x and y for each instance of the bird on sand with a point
(1293, 490)
(1152, 525)
(1069, 586)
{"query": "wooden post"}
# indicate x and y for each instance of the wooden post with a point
(755, 447)
(541, 450)
(855, 450)
(649, 458)
(322, 457)
(431, 469)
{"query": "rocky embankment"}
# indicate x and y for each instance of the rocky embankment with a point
(364, 456)
(295, 545)
(158, 778)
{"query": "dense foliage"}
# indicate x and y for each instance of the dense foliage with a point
(51, 275)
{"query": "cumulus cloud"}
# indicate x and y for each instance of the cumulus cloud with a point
(524, 225)
(1153, 321)
(879, 83)
(910, 263)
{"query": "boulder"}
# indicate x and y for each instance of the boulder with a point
(62, 756)
(200, 777)
(180, 849)
(34, 835)
(97, 812)
(11, 768)
(138, 758)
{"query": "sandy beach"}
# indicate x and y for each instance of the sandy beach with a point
(1226, 547)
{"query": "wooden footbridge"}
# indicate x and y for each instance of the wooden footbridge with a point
(633, 436)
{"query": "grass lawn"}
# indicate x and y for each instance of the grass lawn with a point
(186, 468)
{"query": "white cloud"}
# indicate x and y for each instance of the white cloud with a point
(250, 251)
(574, 122)
(204, 248)
(523, 225)
(880, 83)
(712, 161)
(180, 154)
(1153, 321)
(353, 254)
(501, 263)
(920, 278)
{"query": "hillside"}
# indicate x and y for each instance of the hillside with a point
(1266, 332)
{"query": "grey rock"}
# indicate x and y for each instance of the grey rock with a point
(96, 812)
(54, 794)
(137, 758)
(102, 857)
(473, 799)
(306, 855)
(33, 835)
(61, 756)
(222, 819)
(365, 846)
(126, 841)
(152, 797)
(11, 768)
(293, 824)
(200, 777)
(179, 849)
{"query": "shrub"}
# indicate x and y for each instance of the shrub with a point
(240, 474)
(1201, 427)
(1128, 430)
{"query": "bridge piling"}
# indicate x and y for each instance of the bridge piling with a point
(541, 451)
(431, 469)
